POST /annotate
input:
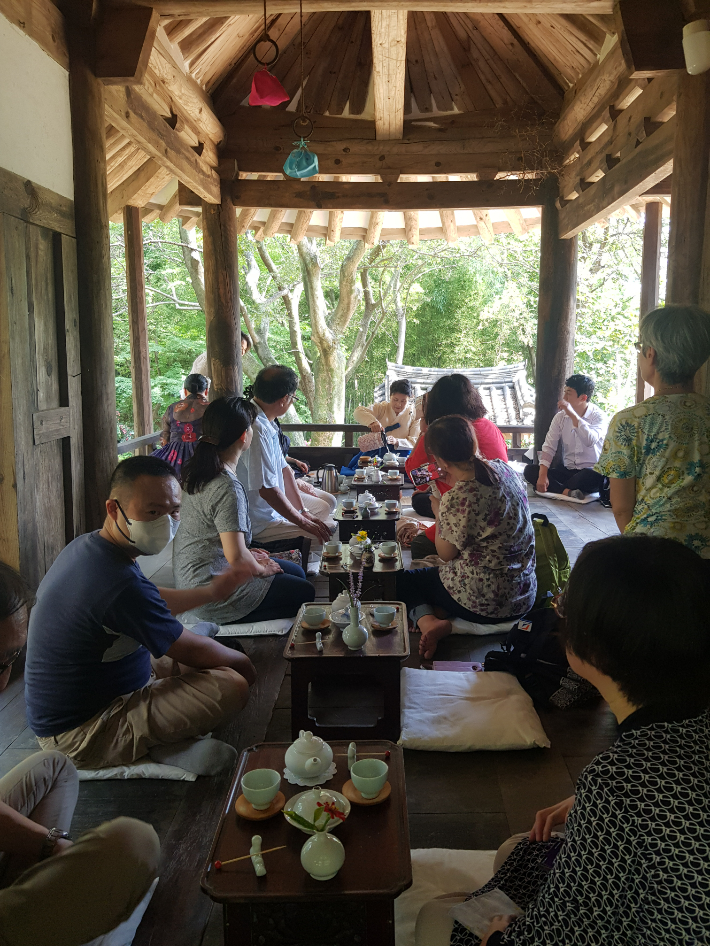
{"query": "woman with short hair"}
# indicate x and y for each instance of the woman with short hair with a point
(631, 866)
(215, 529)
(657, 453)
(182, 423)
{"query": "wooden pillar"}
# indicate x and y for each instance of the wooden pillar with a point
(650, 273)
(556, 314)
(137, 321)
(219, 244)
(98, 387)
(689, 189)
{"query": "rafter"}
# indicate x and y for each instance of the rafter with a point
(389, 63)
(208, 8)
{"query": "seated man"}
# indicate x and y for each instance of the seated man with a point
(396, 418)
(276, 506)
(89, 688)
(581, 426)
(43, 875)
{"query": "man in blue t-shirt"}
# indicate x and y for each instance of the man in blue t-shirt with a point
(111, 675)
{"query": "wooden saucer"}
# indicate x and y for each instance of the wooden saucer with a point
(319, 627)
(383, 627)
(354, 796)
(245, 810)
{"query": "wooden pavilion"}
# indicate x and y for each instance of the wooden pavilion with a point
(480, 116)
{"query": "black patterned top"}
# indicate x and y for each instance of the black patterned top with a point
(634, 866)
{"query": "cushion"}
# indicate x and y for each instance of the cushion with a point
(139, 769)
(435, 872)
(463, 712)
(255, 629)
(459, 626)
(591, 498)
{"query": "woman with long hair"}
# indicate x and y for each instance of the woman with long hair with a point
(215, 529)
(182, 424)
(484, 536)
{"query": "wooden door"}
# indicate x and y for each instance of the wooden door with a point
(41, 453)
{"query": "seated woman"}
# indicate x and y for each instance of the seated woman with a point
(656, 453)
(182, 423)
(452, 394)
(632, 867)
(484, 536)
(396, 419)
(215, 529)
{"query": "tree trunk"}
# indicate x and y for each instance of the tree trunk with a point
(401, 314)
(193, 262)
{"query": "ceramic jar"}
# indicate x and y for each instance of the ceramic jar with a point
(355, 635)
(322, 856)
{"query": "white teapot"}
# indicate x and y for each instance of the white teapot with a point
(309, 756)
(390, 458)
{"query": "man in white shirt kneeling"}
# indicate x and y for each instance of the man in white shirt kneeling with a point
(581, 426)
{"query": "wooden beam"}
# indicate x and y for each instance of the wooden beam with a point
(327, 195)
(411, 227)
(42, 21)
(245, 218)
(128, 111)
(651, 36)
(170, 210)
(220, 251)
(150, 176)
(273, 222)
(137, 321)
(374, 227)
(556, 315)
(590, 91)
(650, 273)
(300, 225)
(516, 221)
(485, 226)
(649, 163)
(209, 8)
(124, 41)
(28, 201)
(335, 223)
(448, 225)
(389, 65)
(689, 204)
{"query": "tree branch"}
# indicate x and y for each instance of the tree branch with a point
(193, 262)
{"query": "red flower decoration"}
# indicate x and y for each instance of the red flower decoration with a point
(330, 809)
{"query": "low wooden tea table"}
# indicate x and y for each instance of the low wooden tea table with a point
(388, 488)
(379, 660)
(287, 905)
(378, 582)
(380, 525)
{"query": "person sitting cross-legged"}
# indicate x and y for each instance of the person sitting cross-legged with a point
(44, 875)
(626, 860)
(581, 426)
(97, 623)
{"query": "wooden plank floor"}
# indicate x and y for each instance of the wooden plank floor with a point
(456, 800)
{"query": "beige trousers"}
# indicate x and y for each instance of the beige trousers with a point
(283, 529)
(170, 708)
(89, 889)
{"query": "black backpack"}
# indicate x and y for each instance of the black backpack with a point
(532, 652)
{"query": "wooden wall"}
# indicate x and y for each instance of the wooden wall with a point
(41, 447)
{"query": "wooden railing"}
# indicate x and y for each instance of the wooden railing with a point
(130, 446)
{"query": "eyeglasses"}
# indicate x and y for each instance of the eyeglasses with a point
(294, 399)
(639, 346)
(6, 664)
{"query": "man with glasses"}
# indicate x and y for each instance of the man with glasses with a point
(276, 506)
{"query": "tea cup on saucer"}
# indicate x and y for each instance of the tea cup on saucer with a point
(384, 615)
(260, 787)
(388, 548)
(332, 548)
(391, 505)
(313, 616)
(369, 776)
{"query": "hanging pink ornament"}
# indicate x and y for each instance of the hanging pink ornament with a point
(266, 89)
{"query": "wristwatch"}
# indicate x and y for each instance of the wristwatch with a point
(50, 842)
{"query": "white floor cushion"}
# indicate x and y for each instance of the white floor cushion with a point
(590, 498)
(462, 712)
(435, 872)
(256, 628)
(124, 933)
(138, 769)
(459, 626)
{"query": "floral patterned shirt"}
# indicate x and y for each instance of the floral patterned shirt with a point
(663, 443)
(494, 573)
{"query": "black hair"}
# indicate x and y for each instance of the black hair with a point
(273, 383)
(15, 593)
(635, 608)
(196, 383)
(454, 394)
(582, 384)
(403, 386)
(451, 438)
(247, 338)
(224, 422)
(128, 471)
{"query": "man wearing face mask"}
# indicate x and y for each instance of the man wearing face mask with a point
(111, 676)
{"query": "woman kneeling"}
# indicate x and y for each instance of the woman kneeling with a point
(484, 535)
(215, 529)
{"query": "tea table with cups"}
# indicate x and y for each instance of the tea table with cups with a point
(378, 582)
(380, 522)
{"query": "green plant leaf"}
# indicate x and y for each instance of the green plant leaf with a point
(301, 821)
(318, 814)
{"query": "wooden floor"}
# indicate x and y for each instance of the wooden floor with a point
(456, 800)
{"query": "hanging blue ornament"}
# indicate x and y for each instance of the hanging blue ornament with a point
(301, 162)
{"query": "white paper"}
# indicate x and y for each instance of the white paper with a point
(476, 914)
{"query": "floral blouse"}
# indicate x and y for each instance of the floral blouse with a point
(494, 573)
(663, 443)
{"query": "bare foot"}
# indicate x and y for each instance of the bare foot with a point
(433, 629)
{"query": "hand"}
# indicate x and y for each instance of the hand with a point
(63, 844)
(376, 426)
(222, 586)
(435, 503)
(392, 440)
(567, 408)
(315, 526)
(261, 555)
(270, 567)
(498, 925)
(546, 819)
(542, 484)
(300, 465)
(305, 487)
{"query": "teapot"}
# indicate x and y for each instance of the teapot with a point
(309, 756)
(390, 458)
(329, 482)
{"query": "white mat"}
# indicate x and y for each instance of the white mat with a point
(591, 498)
(459, 626)
(257, 629)
(138, 769)
(435, 872)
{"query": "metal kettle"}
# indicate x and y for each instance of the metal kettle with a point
(328, 479)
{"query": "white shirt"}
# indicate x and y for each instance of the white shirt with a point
(581, 445)
(261, 466)
(384, 413)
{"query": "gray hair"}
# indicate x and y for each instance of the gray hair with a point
(680, 335)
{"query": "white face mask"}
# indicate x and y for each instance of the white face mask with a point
(151, 537)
